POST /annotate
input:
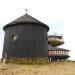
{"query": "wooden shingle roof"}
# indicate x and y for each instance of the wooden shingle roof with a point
(51, 48)
(56, 48)
(25, 19)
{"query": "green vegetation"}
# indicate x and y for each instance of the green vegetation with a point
(28, 61)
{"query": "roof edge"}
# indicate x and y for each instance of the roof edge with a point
(15, 23)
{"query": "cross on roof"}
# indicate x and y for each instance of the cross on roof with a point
(26, 10)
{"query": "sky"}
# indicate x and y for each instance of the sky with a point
(59, 15)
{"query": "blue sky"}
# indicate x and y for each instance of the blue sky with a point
(59, 15)
(56, 26)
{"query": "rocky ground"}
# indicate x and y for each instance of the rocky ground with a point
(54, 68)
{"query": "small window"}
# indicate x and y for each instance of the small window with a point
(14, 37)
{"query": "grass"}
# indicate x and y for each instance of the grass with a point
(30, 61)
(54, 68)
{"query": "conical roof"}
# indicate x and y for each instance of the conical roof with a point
(51, 48)
(26, 19)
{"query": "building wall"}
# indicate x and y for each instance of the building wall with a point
(58, 52)
(31, 41)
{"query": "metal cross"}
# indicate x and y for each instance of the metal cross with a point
(26, 10)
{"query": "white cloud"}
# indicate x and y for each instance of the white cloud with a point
(47, 11)
(1, 40)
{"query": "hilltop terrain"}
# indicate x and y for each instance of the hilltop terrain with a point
(54, 68)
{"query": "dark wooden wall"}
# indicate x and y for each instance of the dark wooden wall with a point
(31, 42)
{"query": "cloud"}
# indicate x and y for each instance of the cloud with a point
(58, 14)
(1, 40)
